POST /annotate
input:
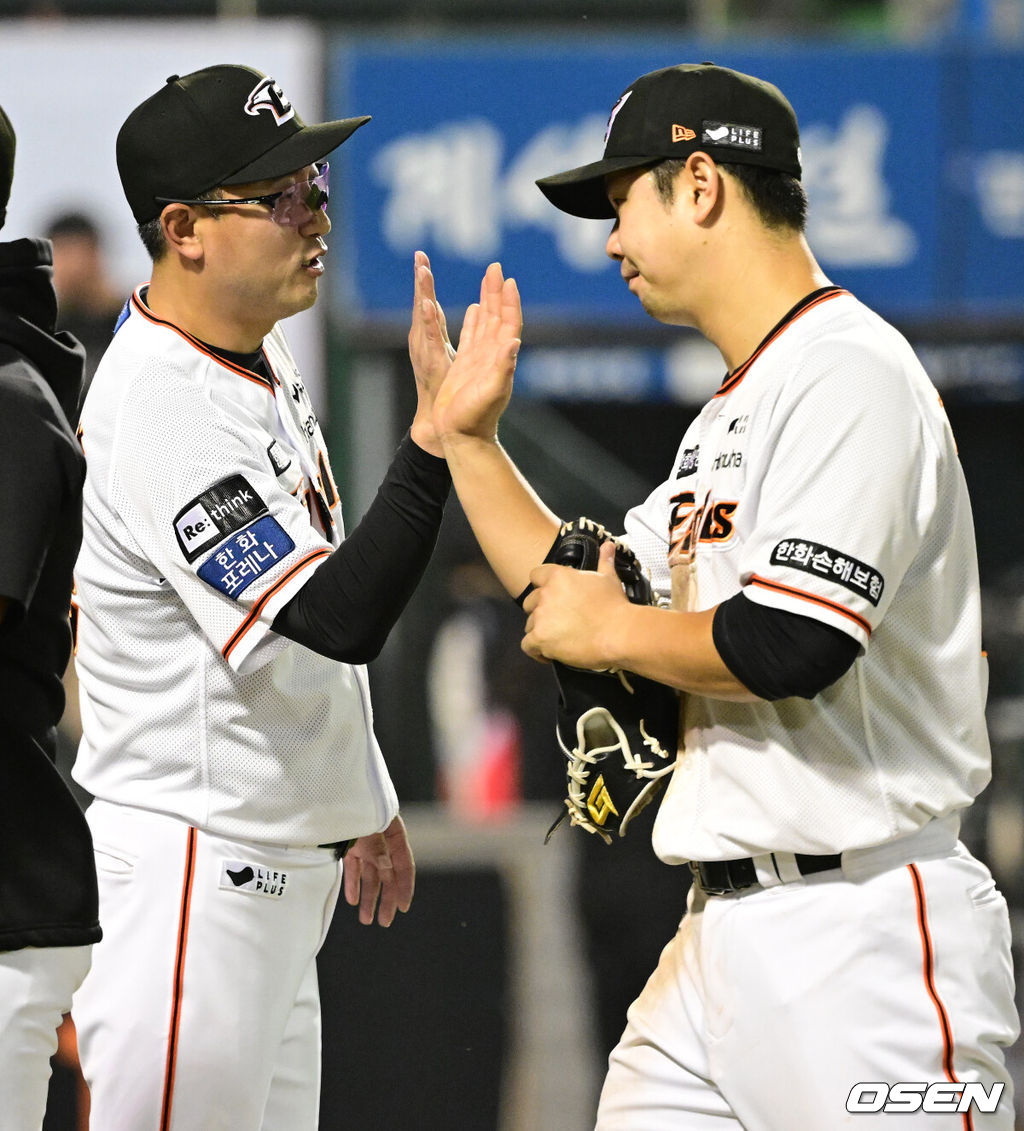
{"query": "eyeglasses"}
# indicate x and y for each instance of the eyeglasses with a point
(291, 207)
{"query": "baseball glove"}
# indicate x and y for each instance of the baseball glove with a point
(617, 730)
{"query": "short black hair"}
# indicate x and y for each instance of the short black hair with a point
(152, 233)
(778, 198)
(73, 224)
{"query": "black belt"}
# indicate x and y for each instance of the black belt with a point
(723, 877)
(340, 847)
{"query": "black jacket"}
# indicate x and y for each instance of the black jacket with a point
(47, 876)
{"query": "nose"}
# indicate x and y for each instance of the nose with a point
(612, 247)
(317, 223)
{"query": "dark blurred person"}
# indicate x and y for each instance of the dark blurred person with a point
(88, 301)
(48, 899)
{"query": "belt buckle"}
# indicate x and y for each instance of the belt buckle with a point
(707, 889)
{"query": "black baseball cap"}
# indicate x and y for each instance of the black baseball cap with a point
(8, 144)
(732, 117)
(223, 125)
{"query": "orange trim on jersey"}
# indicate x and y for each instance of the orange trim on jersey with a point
(327, 483)
(734, 378)
(928, 960)
(254, 612)
(248, 374)
(778, 587)
(179, 978)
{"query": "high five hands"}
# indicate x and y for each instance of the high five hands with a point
(468, 388)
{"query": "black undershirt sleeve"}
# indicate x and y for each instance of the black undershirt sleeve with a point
(352, 601)
(778, 654)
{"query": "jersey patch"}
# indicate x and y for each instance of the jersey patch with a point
(246, 556)
(688, 462)
(225, 507)
(823, 561)
(279, 460)
(237, 875)
(732, 135)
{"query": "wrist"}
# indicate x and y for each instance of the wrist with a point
(611, 642)
(423, 435)
(456, 442)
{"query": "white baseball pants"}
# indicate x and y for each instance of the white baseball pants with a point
(769, 1006)
(35, 992)
(202, 1008)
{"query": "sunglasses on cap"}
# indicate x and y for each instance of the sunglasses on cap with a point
(290, 208)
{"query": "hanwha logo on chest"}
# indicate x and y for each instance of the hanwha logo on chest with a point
(267, 95)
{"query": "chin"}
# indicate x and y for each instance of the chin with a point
(667, 316)
(302, 302)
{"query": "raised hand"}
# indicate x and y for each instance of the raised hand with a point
(479, 383)
(430, 351)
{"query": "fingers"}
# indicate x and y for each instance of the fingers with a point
(606, 560)
(428, 314)
(402, 862)
(366, 869)
(490, 289)
(362, 874)
(532, 649)
(511, 308)
(499, 298)
(380, 867)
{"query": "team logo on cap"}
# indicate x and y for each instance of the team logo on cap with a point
(682, 133)
(267, 95)
(612, 116)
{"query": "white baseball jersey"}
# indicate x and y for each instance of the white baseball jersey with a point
(822, 479)
(208, 503)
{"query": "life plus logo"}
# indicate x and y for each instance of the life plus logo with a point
(949, 1097)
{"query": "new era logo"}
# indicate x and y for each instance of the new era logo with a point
(682, 133)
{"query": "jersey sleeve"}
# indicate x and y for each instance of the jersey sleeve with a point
(847, 492)
(199, 491)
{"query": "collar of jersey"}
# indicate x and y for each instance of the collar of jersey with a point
(139, 305)
(815, 298)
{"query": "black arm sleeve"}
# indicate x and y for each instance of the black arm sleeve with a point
(778, 654)
(350, 604)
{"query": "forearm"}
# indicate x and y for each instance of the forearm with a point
(512, 525)
(350, 604)
(671, 647)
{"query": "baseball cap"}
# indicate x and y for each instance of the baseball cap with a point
(223, 125)
(7, 146)
(732, 117)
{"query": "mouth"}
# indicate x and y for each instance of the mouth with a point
(314, 263)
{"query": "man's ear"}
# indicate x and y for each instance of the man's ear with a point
(179, 227)
(703, 183)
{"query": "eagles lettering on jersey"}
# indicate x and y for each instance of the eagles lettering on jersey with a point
(711, 522)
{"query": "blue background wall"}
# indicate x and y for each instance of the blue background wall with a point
(461, 129)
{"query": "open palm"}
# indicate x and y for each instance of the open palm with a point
(479, 383)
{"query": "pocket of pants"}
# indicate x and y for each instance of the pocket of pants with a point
(984, 893)
(113, 863)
